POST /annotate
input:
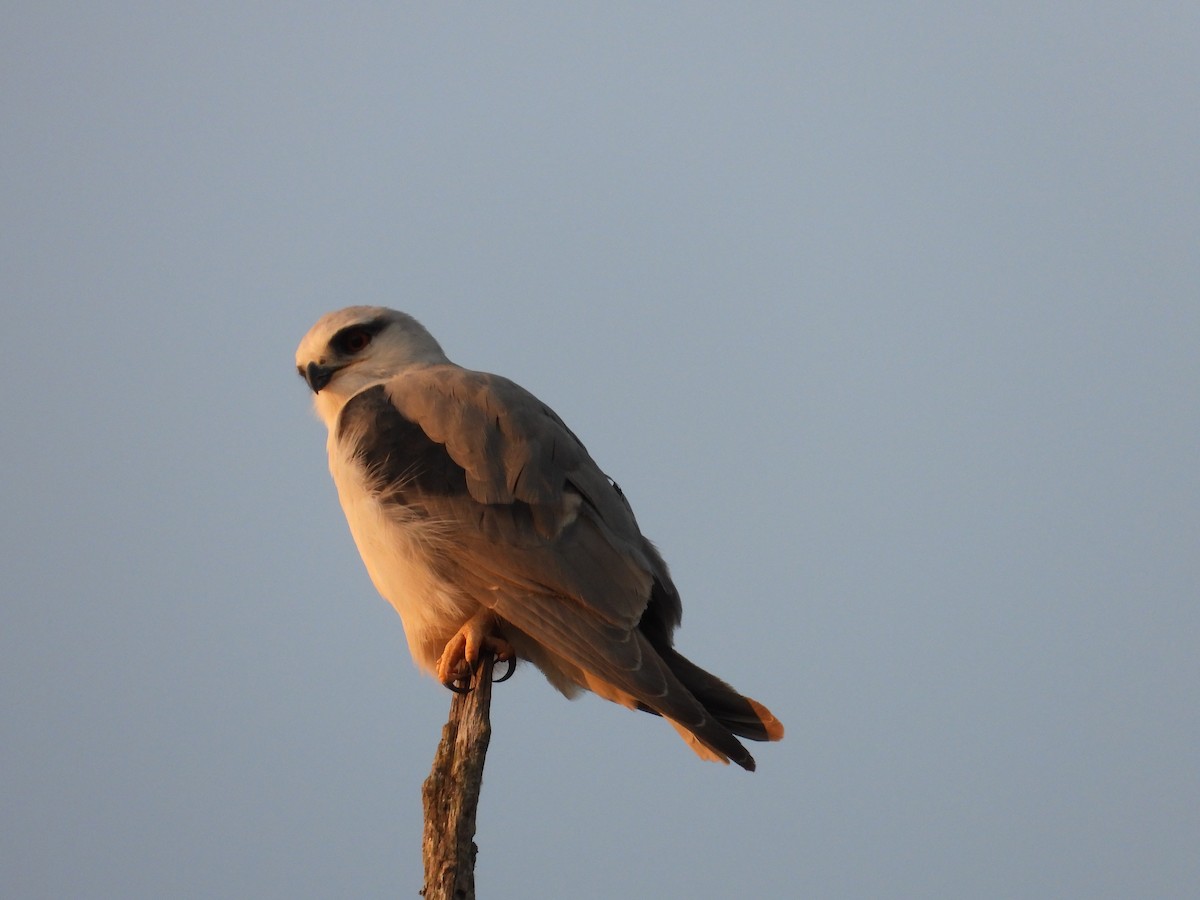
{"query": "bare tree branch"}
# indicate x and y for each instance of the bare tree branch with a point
(451, 792)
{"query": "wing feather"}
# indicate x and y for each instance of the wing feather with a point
(531, 528)
(535, 479)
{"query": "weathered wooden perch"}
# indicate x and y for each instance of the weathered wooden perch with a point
(451, 792)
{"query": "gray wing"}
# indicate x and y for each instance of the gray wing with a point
(550, 516)
(531, 527)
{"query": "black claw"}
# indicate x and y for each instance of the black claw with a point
(463, 685)
(512, 667)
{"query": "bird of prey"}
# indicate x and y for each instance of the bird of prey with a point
(483, 520)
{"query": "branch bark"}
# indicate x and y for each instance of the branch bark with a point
(451, 792)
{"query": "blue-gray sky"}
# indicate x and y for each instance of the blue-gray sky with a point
(884, 316)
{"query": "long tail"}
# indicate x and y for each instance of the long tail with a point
(743, 716)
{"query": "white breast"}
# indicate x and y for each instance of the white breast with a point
(395, 547)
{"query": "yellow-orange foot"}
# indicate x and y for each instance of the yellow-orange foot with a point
(463, 652)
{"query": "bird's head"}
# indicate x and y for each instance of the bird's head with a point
(357, 347)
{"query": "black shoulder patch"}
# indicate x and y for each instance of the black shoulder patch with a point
(396, 452)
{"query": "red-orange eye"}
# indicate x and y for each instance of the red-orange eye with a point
(355, 340)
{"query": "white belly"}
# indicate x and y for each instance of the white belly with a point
(395, 548)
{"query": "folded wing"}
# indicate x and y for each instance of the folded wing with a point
(534, 530)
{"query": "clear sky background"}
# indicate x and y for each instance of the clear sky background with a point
(886, 318)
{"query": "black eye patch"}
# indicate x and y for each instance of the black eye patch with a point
(355, 338)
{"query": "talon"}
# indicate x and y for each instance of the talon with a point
(456, 667)
(458, 677)
(512, 667)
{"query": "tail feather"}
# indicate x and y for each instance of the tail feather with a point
(710, 739)
(743, 716)
(705, 751)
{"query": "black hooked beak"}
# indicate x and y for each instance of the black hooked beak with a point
(318, 376)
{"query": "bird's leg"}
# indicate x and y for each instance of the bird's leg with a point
(458, 660)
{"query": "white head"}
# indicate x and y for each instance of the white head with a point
(357, 347)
